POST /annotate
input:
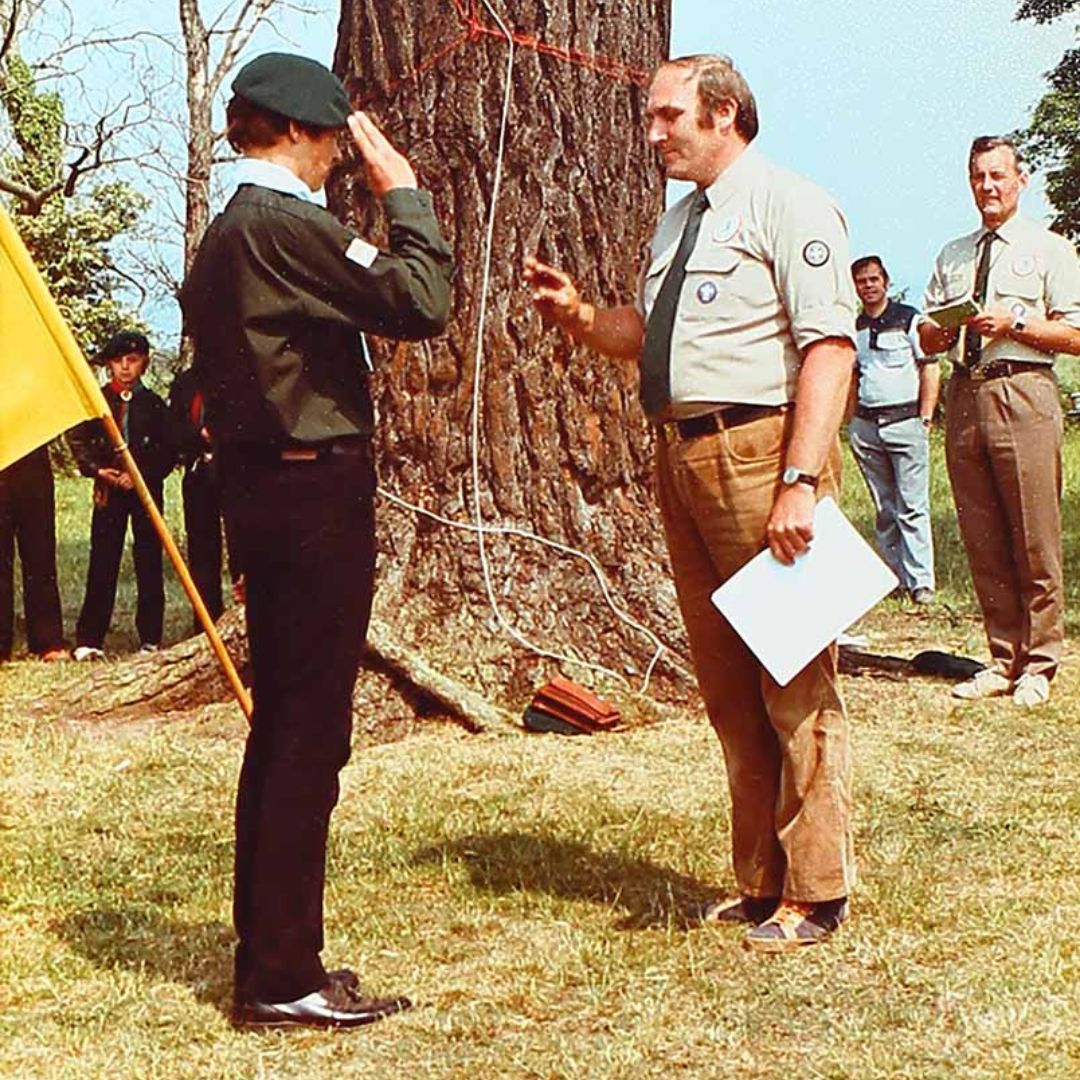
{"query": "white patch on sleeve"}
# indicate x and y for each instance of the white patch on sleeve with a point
(360, 251)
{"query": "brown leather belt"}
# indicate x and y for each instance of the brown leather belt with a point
(998, 369)
(709, 424)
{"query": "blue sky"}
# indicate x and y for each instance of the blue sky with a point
(878, 102)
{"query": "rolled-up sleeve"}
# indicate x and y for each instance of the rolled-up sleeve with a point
(812, 267)
(1063, 283)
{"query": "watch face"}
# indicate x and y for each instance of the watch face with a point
(791, 475)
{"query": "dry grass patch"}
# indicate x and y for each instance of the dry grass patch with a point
(528, 892)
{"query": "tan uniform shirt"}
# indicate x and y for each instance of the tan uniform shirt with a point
(768, 277)
(1033, 272)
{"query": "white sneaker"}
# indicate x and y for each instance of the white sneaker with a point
(87, 652)
(149, 647)
(1031, 690)
(987, 683)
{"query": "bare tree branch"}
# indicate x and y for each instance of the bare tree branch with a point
(237, 37)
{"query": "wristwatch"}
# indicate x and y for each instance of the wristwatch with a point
(792, 476)
(1018, 324)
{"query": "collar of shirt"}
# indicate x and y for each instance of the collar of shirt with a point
(876, 321)
(736, 176)
(268, 174)
(1010, 231)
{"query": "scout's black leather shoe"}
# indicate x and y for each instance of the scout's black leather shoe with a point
(340, 1004)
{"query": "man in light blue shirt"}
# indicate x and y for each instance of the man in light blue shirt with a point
(889, 433)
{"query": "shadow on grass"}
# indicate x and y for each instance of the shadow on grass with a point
(198, 955)
(505, 863)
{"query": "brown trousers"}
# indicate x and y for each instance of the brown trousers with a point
(1003, 450)
(785, 747)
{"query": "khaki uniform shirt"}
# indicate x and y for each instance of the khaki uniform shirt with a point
(1033, 272)
(768, 277)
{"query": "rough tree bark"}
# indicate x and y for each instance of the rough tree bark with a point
(564, 448)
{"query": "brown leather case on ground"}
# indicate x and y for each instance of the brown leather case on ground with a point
(575, 705)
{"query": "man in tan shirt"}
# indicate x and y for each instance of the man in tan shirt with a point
(1003, 420)
(744, 330)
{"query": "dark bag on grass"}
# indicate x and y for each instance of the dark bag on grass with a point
(945, 665)
(566, 708)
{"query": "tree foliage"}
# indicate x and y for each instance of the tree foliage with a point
(69, 235)
(1044, 11)
(1052, 140)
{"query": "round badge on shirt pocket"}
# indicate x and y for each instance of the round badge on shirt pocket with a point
(707, 291)
(816, 253)
(1023, 266)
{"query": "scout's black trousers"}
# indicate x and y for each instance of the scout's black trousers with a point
(108, 527)
(202, 527)
(303, 533)
(28, 517)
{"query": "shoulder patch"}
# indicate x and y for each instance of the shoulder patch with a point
(361, 252)
(816, 253)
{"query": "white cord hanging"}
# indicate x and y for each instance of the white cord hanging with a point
(478, 525)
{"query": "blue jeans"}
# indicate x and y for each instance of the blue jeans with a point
(895, 462)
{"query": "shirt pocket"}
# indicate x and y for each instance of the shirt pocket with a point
(956, 286)
(893, 349)
(727, 281)
(655, 274)
(1018, 291)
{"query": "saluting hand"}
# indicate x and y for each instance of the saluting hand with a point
(384, 167)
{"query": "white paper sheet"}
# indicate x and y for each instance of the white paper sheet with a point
(788, 614)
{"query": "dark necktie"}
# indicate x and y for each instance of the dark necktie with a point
(972, 339)
(656, 347)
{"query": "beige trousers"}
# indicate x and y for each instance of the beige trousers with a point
(786, 748)
(1003, 450)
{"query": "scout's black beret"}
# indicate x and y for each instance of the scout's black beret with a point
(127, 341)
(294, 86)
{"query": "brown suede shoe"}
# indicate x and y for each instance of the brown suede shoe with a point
(795, 925)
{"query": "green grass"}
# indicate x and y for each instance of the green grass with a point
(527, 892)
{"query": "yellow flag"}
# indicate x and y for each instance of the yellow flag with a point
(46, 385)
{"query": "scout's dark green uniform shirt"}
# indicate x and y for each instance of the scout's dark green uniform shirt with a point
(275, 305)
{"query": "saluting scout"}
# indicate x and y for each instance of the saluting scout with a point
(275, 302)
(744, 328)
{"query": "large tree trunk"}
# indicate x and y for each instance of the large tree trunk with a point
(564, 449)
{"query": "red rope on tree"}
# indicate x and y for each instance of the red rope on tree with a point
(476, 28)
